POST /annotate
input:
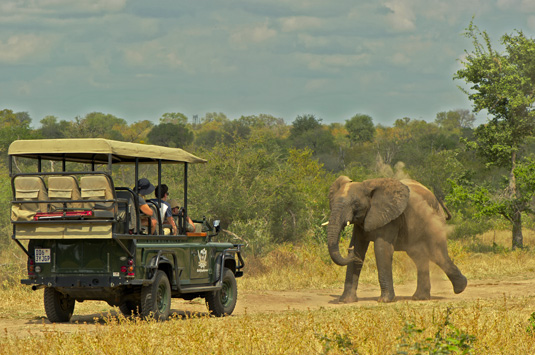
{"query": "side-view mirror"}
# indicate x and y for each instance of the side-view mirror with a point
(217, 225)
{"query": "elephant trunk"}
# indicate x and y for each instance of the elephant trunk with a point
(335, 227)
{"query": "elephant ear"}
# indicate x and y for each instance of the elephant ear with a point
(389, 198)
(337, 184)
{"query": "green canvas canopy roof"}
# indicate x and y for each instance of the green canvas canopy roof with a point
(87, 150)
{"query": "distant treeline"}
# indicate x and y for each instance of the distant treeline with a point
(268, 180)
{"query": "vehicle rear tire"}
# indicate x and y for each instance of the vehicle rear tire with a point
(130, 307)
(156, 298)
(222, 302)
(58, 307)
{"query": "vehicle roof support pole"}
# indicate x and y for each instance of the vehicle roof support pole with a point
(159, 193)
(39, 164)
(136, 177)
(110, 159)
(184, 221)
(93, 163)
(64, 164)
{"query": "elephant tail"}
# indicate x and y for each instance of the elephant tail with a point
(448, 214)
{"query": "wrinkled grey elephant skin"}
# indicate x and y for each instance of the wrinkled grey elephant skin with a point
(394, 215)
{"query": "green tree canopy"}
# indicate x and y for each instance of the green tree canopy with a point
(504, 85)
(360, 129)
(308, 132)
(170, 135)
(13, 126)
(51, 128)
(98, 124)
(455, 121)
(174, 117)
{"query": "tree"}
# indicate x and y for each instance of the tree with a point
(137, 132)
(360, 129)
(98, 125)
(174, 117)
(51, 128)
(170, 135)
(504, 85)
(308, 132)
(13, 126)
(455, 121)
(303, 124)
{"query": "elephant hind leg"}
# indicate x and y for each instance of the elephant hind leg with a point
(423, 288)
(439, 255)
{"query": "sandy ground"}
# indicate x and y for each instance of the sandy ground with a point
(281, 301)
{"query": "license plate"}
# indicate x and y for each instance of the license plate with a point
(42, 255)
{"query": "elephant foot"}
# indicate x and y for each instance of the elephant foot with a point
(348, 299)
(421, 296)
(460, 285)
(386, 298)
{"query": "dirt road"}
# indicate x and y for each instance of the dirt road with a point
(280, 301)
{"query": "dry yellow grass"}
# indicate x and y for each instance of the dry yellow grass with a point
(500, 326)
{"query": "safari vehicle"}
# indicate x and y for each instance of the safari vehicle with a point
(85, 238)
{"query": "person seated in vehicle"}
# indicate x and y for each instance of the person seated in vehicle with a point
(162, 191)
(144, 188)
(175, 211)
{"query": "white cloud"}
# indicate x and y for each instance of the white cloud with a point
(401, 18)
(151, 54)
(300, 23)
(258, 33)
(310, 41)
(400, 59)
(24, 48)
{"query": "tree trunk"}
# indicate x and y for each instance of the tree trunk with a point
(518, 239)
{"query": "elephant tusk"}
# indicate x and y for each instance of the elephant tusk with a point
(324, 224)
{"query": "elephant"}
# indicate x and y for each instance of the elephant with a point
(395, 215)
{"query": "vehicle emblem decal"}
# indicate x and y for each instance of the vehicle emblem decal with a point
(202, 259)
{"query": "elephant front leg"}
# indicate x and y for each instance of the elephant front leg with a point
(353, 272)
(421, 260)
(384, 252)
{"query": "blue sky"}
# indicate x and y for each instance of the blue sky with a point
(138, 59)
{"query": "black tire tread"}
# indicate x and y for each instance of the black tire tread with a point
(148, 306)
(53, 310)
(213, 299)
(129, 308)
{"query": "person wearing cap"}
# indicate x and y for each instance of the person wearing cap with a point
(162, 191)
(175, 210)
(144, 188)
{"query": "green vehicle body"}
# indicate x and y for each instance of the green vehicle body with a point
(98, 249)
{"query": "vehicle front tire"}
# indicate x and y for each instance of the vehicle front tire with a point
(222, 302)
(156, 298)
(58, 307)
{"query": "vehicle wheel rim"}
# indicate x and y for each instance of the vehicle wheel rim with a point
(226, 294)
(162, 298)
